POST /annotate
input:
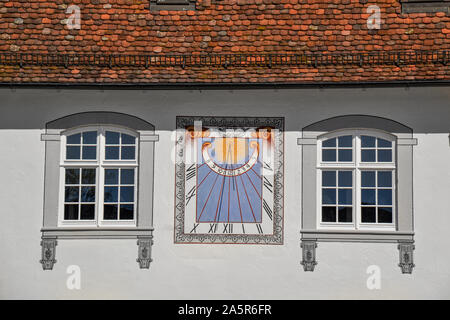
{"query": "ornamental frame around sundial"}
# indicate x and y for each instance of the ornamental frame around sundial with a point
(273, 236)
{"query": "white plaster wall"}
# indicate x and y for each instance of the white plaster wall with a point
(109, 268)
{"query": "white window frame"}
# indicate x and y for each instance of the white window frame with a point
(100, 164)
(356, 166)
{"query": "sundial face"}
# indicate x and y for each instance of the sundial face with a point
(229, 181)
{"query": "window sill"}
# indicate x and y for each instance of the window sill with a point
(96, 233)
(356, 235)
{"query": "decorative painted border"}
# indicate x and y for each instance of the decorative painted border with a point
(230, 122)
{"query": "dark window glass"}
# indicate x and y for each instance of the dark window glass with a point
(368, 178)
(329, 155)
(112, 153)
(88, 176)
(384, 155)
(127, 176)
(345, 155)
(368, 215)
(328, 196)
(112, 137)
(384, 143)
(127, 139)
(385, 179)
(345, 178)
(345, 141)
(126, 194)
(385, 196)
(345, 196)
(328, 214)
(345, 214)
(71, 194)
(329, 143)
(111, 176)
(110, 211)
(72, 176)
(329, 178)
(90, 137)
(368, 155)
(89, 153)
(126, 211)
(74, 139)
(128, 153)
(73, 152)
(87, 194)
(385, 215)
(70, 212)
(368, 196)
(367, 142)
(87, 212)
(111, 194)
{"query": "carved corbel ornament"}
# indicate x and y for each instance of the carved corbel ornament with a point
(309, 255)
(48, 253)
(406, 256)
(144, 251)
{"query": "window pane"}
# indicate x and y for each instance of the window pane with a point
(70, 212)
(88, 176)
(126, 211)
(368, 196)
(345, 141)
(367, 142)
(368, 178)
(111, 176)
(126, 194)
(345, 179)
(127, 176)
(384, 155)
(345, 196)
(385, 215)
(384, 143)
(110, 212)
(328, 196)
(112, 153)
(72, 176)
(71, 194)
(87, 194)
(329, 155)
(73, 152)
(368, 155)
(329, 178)
(385, 179)
(111, 194)
(89, 153)
(87, 212)
(112, 137)
(90, 137)
(329, 143)
(328, 214)
(127, 139)
(385, 196)
(368, 215)
(128, 153)
(74, 139)
(345, 214)
(345, 155)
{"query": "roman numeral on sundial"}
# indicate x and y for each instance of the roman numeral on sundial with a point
(227, 228)
(195, 228)
(267, 209)
(190, 172)
(268, 185)
(260, 230)
(212, 228)
(190, 195)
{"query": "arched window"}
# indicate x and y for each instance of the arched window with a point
(356, 179)
(99, 169)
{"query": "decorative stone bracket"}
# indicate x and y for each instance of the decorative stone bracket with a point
(144, 251)
(309, 255)
(406, 256)
(48, 253)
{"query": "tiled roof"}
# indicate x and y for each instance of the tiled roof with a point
(219, 27)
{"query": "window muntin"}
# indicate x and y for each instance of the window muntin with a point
(100, 188)
(357, 191)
